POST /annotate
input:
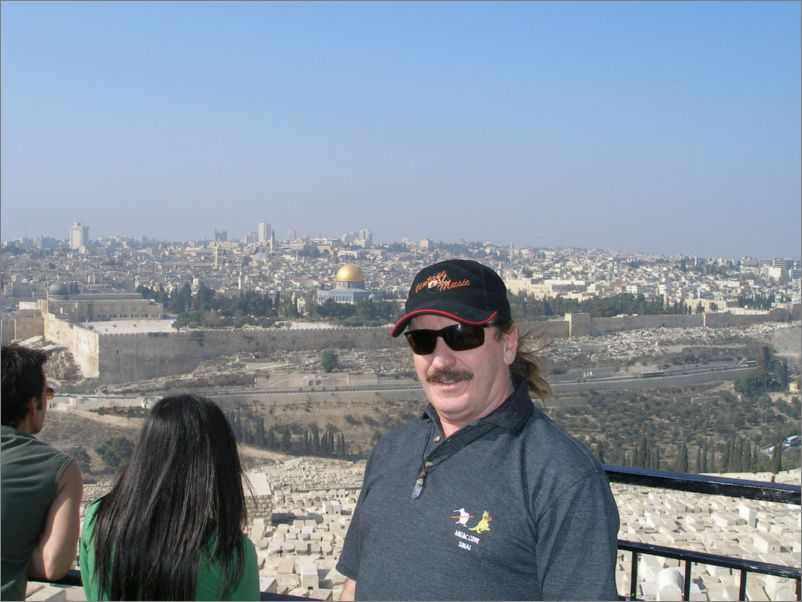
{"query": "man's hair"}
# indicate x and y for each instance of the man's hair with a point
(179, 499)
(524, 366)
(23, 379)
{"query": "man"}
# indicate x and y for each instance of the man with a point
(482, 497)
(41, 487)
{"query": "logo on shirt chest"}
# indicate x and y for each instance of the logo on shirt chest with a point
(465, 540)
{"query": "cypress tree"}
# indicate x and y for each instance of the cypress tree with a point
(600, 452)
(642, 453)
(260, 432)
(725, 461)
(777, 457)
(746, 455)
(681, 462)
(756, 458)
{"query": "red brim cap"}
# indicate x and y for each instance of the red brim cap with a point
(404, 320)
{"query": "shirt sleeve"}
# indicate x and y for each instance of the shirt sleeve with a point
(577, 542)
(86, 553)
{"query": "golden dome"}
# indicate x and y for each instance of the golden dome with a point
(350, 272)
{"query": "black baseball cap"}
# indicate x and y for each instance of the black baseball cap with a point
(460, 289)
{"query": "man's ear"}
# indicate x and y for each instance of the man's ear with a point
(510, 340)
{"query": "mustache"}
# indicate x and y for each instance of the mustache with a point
(439, 376)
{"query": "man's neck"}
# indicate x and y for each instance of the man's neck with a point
(25, 426)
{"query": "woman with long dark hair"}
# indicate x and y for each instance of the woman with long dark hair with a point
(171, 527)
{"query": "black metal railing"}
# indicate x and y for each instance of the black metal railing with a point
(737, 488)
(697, 483)
(722, 486)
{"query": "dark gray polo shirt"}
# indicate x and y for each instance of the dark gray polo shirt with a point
(512, 508)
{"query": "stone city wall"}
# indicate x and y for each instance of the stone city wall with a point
(584, 325)
(126, 357)
(82, 343)
(119, 358)
(28, 323)
(602, 326)
(548, 329)
(724, 319)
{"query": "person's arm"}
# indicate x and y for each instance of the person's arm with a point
(577, 546)
(54, 554)
(349, 591)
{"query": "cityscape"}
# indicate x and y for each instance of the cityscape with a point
(292, 267)
(308, 358)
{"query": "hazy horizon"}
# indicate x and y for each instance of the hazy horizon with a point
(662, 128)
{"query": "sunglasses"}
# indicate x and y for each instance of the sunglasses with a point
(50, 393)
(459, 337)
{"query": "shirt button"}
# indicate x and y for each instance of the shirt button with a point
(436, 438)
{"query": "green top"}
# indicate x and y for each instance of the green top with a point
(31, 471)
(210, 573)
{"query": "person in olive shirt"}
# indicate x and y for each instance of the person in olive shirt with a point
(482, 497)
(41, 487)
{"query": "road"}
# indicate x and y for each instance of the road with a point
(693, 376)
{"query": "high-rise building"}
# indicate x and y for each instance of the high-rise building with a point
(220, 235)
(265, 232)
(362, 238)
(79, 235)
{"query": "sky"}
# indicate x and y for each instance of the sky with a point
(660, 127)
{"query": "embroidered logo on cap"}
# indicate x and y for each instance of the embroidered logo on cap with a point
(440, 282)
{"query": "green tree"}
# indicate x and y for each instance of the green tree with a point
(82, 457)
(286, 440)
(699, 461)
(115, 451)
(642, 453)
(261, 436)
(681, 461)
(204, 299)
(779, 373)
(328, 360)
(181, 299)
(314, 439)
(341, 447)
(752, 384)
(777, 456)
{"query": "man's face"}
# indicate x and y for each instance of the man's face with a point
(464, 385)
